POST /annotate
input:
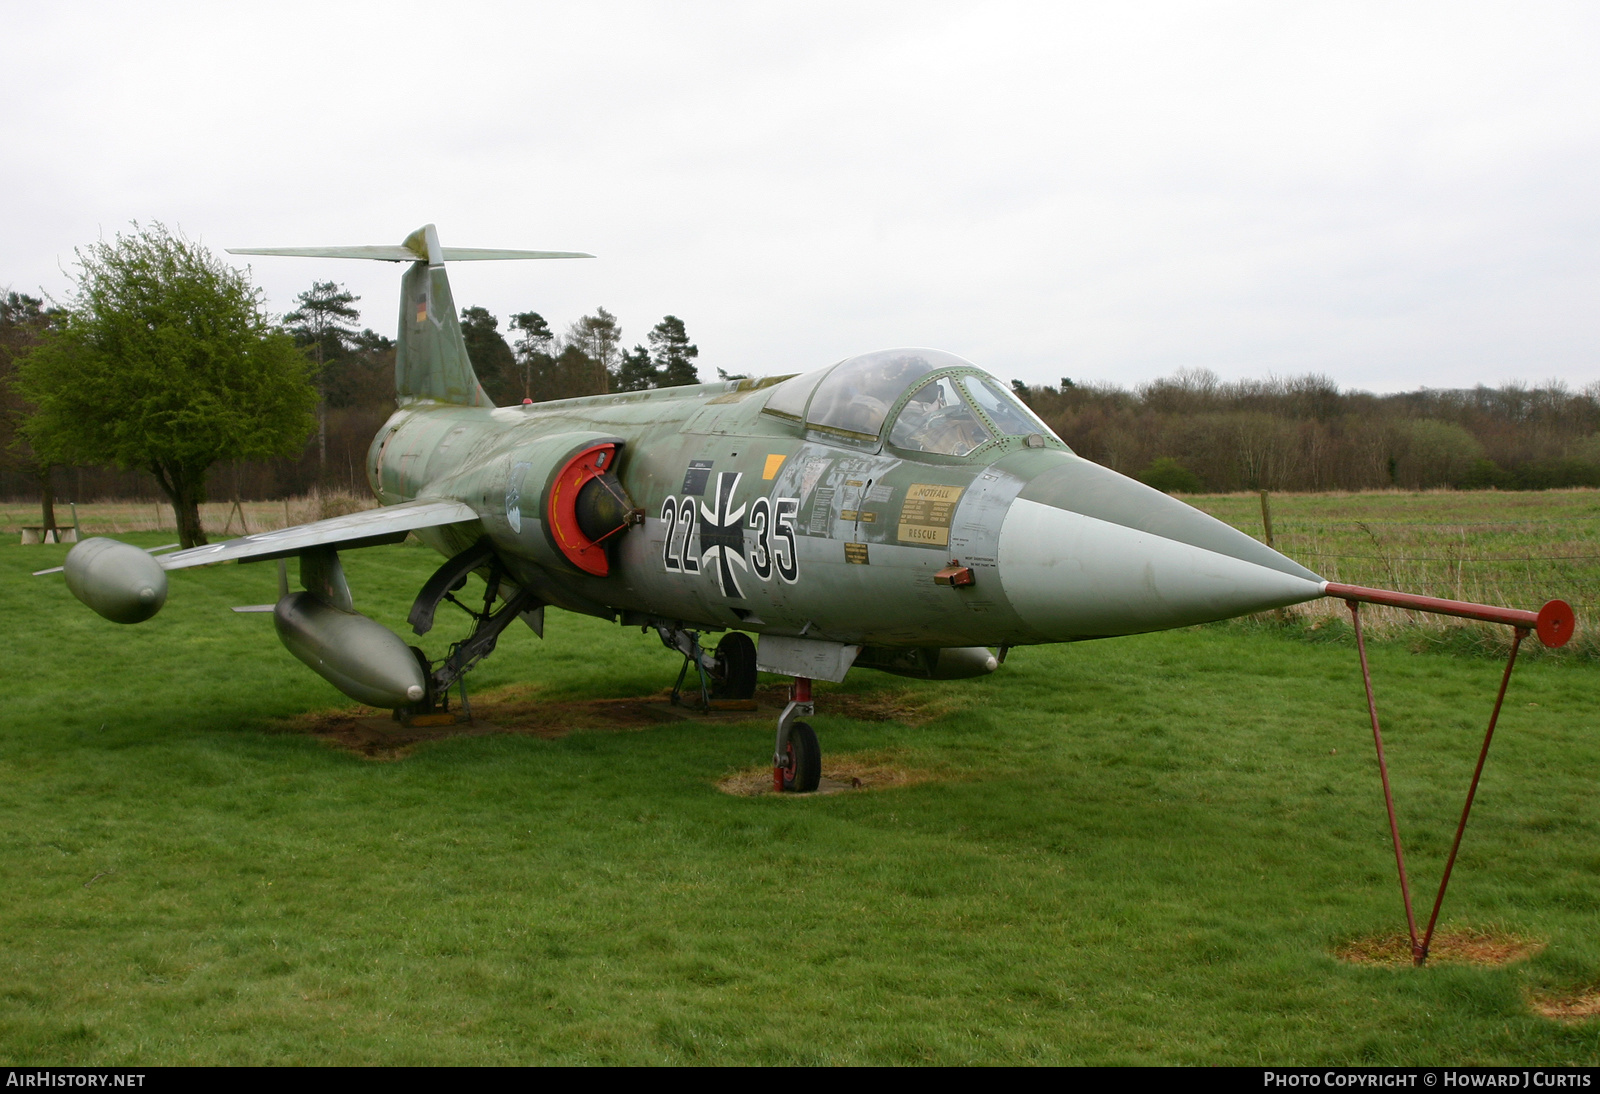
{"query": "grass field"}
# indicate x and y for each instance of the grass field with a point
(1513, 549)
(1133, 851)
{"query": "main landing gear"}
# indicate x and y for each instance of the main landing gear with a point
(727, 674)
(487, 625)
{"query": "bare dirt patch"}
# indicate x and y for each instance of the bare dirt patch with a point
(377, 736)
(522, 710)
(840, 774)
(906, 706)
(1457, 946)
(373, 734)
(1567, 1008)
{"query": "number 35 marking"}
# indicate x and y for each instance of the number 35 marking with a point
(773, 521)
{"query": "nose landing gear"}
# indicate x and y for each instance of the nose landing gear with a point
(727, 679)
(796, 756)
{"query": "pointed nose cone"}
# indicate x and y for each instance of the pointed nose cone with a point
(1086, 552)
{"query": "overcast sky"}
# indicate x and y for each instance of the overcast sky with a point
(1396, 195)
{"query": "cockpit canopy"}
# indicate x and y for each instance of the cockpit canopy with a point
(939, 403)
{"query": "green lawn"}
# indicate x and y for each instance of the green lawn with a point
(1137, 851)
(1516, 549)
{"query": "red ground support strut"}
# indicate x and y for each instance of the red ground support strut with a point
(1388, 795)
(1472, 791)
(1554, 625)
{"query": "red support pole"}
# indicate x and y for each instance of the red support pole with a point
(1472, 791)
(1418, 954)
(1554, 622)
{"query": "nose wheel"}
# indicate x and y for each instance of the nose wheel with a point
(801, 769)
(796, 756)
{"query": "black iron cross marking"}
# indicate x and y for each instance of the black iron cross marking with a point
(722, 537)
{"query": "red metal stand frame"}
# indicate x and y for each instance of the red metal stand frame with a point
(1554, 625)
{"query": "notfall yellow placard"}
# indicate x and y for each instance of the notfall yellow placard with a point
(926, 513)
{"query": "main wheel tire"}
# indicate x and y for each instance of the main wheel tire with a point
(802, 771)
(735, 674)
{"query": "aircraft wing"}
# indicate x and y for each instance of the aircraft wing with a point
(366, 529)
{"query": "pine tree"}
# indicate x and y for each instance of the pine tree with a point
(636, 372)
(672, 354)
(573, 374)
(598, 336)
(25, 321)
(491, 358)
(532, 350)
(321, 322)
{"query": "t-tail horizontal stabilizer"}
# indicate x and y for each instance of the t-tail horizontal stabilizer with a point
(421, 245)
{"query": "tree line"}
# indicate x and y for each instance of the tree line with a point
(355, 367)
(1193, 432)
(164, 365)
(163, 368)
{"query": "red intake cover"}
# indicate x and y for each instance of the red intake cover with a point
(581, 551)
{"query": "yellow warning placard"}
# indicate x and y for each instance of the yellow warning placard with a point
(926, 513)
(774, 461)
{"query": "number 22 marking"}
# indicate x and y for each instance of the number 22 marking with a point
(675, 554)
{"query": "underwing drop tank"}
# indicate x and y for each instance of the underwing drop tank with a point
(359, 656)
(118, 580)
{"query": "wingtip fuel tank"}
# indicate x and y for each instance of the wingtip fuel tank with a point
(116, 579)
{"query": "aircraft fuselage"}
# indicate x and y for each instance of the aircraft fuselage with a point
(756, 523)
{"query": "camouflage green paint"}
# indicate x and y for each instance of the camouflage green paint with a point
(840, 543)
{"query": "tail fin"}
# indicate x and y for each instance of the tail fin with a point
(431, 355)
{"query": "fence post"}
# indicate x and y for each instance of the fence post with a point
(1266, 517)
